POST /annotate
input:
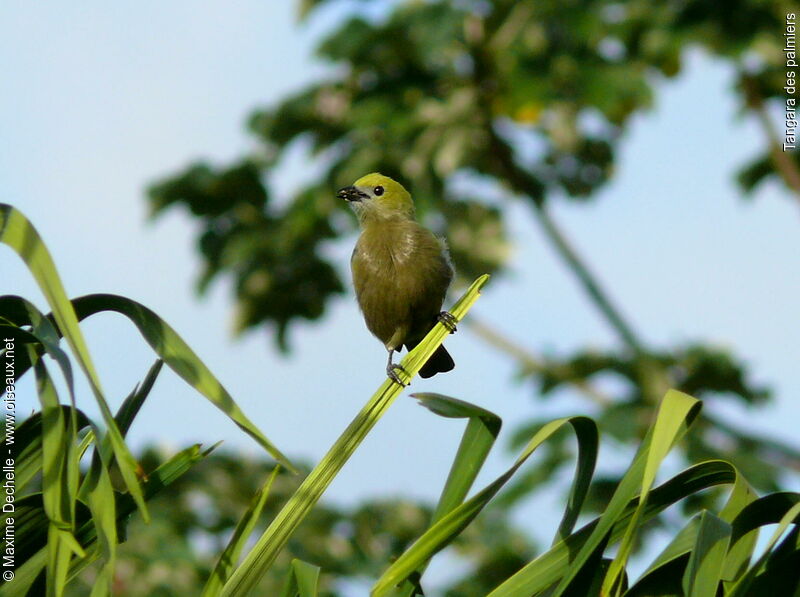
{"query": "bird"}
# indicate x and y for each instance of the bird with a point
(401, 271)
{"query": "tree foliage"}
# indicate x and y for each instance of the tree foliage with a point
(477, 104)
(530, 98)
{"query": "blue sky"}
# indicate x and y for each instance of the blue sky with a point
(99, 100)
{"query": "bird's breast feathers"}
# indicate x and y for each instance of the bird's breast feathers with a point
(393, 252)
(399, 269)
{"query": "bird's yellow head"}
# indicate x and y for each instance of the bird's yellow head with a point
(378, 196)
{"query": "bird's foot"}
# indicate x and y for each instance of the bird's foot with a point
(448, 320)
(391, 371)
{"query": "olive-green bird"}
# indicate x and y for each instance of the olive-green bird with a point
(401, 271)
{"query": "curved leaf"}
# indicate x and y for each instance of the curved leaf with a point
(19, 234)
(673, 560)
(476, 442)
(742, 586)
(170, 347)
(676, 413)
(551, 566)
(479, 437)
(449, 527)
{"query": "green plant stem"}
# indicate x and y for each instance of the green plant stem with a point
(245, 578)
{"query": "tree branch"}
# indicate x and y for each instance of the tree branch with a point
(505, 166)
(784, 165)
(531, 363)
(523, 182)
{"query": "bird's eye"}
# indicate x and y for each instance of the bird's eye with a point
(378, 191)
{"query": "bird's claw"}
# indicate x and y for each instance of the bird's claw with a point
(448, 320)
(392, 370)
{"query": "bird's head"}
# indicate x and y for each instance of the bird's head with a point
(376, 195)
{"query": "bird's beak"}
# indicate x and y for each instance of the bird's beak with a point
(351, 193)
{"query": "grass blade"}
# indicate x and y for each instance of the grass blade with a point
(303, 580)
(170, 347)
(675, 414)
(588, 446)
(28, 446)
(272, 541)
(444, 531)
(673, 560)
(131, 405)
(58, 492)
(19, 234)
(479, 437)
(241, 533)
(669, 565)
(22, 312)
(101, 500)
(707, 560)
(742, 587)
(553, 565)
(769, 509)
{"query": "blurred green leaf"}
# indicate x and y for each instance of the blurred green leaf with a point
(303, 580)
(19, 234)
(241, 534)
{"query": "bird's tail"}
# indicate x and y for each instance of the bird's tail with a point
(440, 362)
